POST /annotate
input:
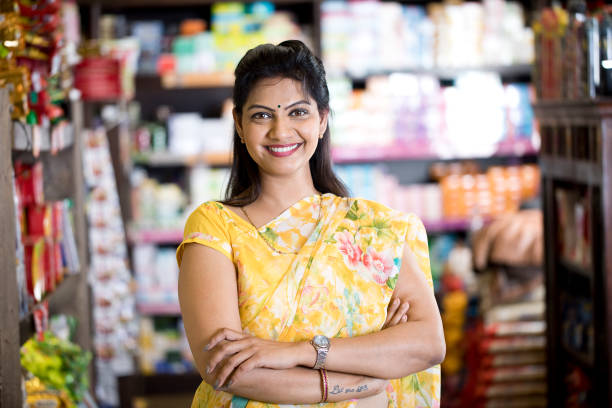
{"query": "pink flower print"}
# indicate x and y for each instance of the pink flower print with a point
(311, 296)
(380, 266)
(348, 247)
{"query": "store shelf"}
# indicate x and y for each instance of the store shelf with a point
(589, 173)
(580, 109)
(155, 236)
(58, 299)
(198, 80)
(516, 148)
(159, 309)
(170, 3)
(579, 358)
(576, 269)
(450, 73)
(136, 385)
(448, 225)
(166, 159)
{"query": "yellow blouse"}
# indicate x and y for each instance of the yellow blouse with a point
(335, 276)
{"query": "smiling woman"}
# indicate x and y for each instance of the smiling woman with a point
(292, 292)
(291, 133)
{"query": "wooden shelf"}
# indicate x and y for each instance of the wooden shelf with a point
(582, 129)
(58, 300)
(132, 386)
(578, 109)
(64, 176)
(579, 358)
(571, 170)
(450, 73)
(576, 269)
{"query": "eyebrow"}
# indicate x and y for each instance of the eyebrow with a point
(256, 106)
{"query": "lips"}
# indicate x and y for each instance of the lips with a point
(283, 150)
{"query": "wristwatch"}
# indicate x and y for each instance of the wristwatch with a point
(321, 345)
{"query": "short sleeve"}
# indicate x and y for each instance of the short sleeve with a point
(206, 226)
(416, 238)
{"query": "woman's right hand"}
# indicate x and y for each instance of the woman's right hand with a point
(397, 312)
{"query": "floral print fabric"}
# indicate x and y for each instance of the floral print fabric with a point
(340, 263)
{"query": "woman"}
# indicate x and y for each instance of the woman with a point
(290, 291)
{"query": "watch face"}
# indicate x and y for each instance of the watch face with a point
(321, 341)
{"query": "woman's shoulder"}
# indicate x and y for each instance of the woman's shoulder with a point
(408, 220)
(211, 211)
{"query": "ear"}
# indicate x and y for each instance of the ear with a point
(237, 116)
(323, 122)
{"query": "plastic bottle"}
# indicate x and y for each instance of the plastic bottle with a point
(592, 56)
(605, 49)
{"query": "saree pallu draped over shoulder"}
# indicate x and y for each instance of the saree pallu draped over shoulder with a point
(338, 282)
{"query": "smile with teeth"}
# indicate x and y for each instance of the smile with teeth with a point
(283, 149)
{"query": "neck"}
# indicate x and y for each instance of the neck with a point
(283, 192)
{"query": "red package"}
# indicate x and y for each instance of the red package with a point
(59, 262)
(29, 180)
(41, 320)
(39, 221)
(50, 273)
(39, 9)
(57, 219)
(98, 79)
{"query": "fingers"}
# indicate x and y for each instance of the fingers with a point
(400, 315)
(223, 334)
(230, 365)
(223, 350)
(253, 362)
(391, 310)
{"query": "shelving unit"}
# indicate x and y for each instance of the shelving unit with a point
(63, 178)
(577, 157)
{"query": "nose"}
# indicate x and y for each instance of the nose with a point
(281, 128)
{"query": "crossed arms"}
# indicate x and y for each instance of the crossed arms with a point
(279, 372)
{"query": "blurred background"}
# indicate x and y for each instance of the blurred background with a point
(491, 120)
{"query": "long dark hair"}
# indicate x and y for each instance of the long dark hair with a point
(289, 59)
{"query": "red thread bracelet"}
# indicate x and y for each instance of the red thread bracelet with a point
(325, 385)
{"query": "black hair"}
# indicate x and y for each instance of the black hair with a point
(289, 59)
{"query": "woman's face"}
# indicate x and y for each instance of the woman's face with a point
(280, 126)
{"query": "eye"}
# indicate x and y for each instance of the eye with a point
(261, 115)
(299, 112)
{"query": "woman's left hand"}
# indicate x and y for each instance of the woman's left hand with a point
(233, 353)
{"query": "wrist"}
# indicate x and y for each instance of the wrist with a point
(307, 354)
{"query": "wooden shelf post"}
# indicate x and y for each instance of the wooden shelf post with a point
(10, 366)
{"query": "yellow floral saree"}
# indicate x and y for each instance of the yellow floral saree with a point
(339, 283)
